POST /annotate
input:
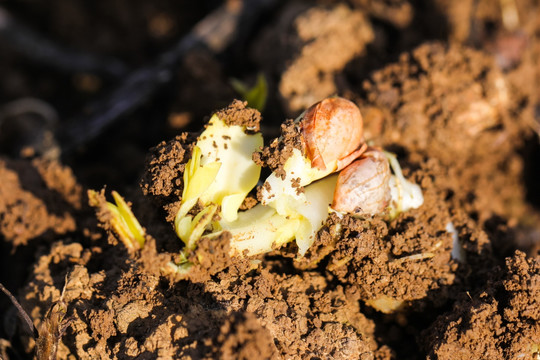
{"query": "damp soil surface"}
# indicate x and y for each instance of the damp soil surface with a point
(452, 90)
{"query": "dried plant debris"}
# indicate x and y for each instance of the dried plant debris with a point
(49, 333)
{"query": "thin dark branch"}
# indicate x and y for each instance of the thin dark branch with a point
(22, 313)
(216, 32)
(42, 51)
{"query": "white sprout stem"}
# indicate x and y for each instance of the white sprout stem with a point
(263, 228)
(282, 193)
(458, 253)
(405, 195)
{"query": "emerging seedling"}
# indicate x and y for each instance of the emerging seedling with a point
(262, 228)
(119, 218)
(219, 175)
(255, 96)
(405, 194)
(331, 137)
(296, 202)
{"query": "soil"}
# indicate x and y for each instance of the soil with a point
(473, 138)
(502, 319)
(451, 90)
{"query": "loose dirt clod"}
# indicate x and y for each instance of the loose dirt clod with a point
(314, 45)
(37, 199)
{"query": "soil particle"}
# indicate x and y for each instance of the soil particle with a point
(103, 305)
(312, 46)
(165, 166)
(60, 179)
(249, 202)
(237, 113)
(306, 316)
(500, 322)
(242, 337)
(37, 199)
(212, 256)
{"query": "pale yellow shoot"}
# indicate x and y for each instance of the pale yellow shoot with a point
(230, 146)
(120, 218)
(221, 172)
(120, 228)
(259, 230)
(182, 226)
(201, 221)
(189, 231)
(262, 228)
(197, 179)
(313, 211)
(135, 229)
(405, 194)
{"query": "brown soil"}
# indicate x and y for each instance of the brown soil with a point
(313, 44)
(501, 322)
(416, 105)
(451, 89)
(38, 199)
(125, 302)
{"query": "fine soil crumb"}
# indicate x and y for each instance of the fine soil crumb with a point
(61, 180)
(242, 337)
(120, 310)
(307, 316)
(500, 322)
(37, 199)
(313, 46)
(165, 166)
(237, 113)
(212, 256)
